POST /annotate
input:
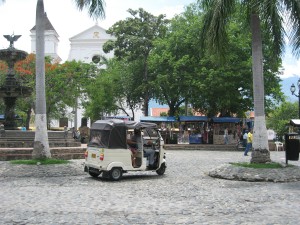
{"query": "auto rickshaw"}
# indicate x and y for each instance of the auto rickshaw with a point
(109, 153)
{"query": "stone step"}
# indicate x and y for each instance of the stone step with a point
(78, 152)
(31, 138)
(203, 147)
(31, 134)
(7, 154)
(29, 144)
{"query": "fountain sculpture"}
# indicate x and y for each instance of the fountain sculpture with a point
(12, 89)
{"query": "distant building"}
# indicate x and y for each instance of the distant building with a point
(158, 111)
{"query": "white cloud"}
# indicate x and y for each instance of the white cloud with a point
(290, 64)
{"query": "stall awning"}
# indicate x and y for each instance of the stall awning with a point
(158, 119)
(193, 118)
(226, 120)
(295, 122)
(17, 117)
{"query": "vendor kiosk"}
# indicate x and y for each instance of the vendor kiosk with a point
(219, 126)
(193, 130)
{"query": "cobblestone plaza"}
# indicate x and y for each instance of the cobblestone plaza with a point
(64, 194)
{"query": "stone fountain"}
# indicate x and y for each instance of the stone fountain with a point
(12, 89)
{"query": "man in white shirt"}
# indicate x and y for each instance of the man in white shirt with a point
(138, 141)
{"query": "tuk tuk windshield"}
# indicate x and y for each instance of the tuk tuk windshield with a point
(150, 133)
(99, 138)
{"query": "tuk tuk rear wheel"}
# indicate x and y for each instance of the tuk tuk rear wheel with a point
(161, 169)
(115, 173)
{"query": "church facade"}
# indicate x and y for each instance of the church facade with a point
(87, 46)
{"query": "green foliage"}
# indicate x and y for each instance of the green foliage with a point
(135, 34)
(68, 80)
(163, 114)
(173, 61)
(39, 161)
(272, 165)
(180, 70)
(280, 117)
(115, 89)
(135, 38)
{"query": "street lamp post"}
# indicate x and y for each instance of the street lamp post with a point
(293, 90)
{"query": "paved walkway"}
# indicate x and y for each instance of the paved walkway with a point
(186, 194)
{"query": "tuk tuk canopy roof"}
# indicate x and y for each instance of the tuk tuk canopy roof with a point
(113, 133)
(295, 122)
(109, 124)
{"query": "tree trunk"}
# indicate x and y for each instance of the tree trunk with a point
(41, 144)
(146, 98)
(260, 147)
(28, 117)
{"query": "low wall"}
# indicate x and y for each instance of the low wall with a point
(31, 134)
(219, 139)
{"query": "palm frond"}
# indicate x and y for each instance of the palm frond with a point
(217, 14)
(293, 13)
(95, 7)
(271, 12)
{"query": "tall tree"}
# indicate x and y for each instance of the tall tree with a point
(41, 148)
(135, 37)
(116, 89)
(262, 15)
(41, 145)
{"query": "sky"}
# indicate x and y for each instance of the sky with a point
(18, 17)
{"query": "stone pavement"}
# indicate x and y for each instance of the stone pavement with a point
(186, 194)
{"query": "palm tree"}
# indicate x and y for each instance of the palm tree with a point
(269, 15)
(41, 145)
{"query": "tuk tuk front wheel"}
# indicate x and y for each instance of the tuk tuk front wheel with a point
(93, 174)
(115, 173)
(161, 169)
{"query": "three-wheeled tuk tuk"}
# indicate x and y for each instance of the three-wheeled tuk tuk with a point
(110, 152)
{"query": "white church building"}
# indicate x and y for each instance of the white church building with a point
(86, 46)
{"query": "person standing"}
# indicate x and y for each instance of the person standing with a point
(245, 136)
(249, 143)
(226, 136)
(2, 130)
(65, 131)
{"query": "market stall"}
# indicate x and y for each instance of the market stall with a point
(219, 124)
(192, 130)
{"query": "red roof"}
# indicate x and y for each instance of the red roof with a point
(158, 111)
